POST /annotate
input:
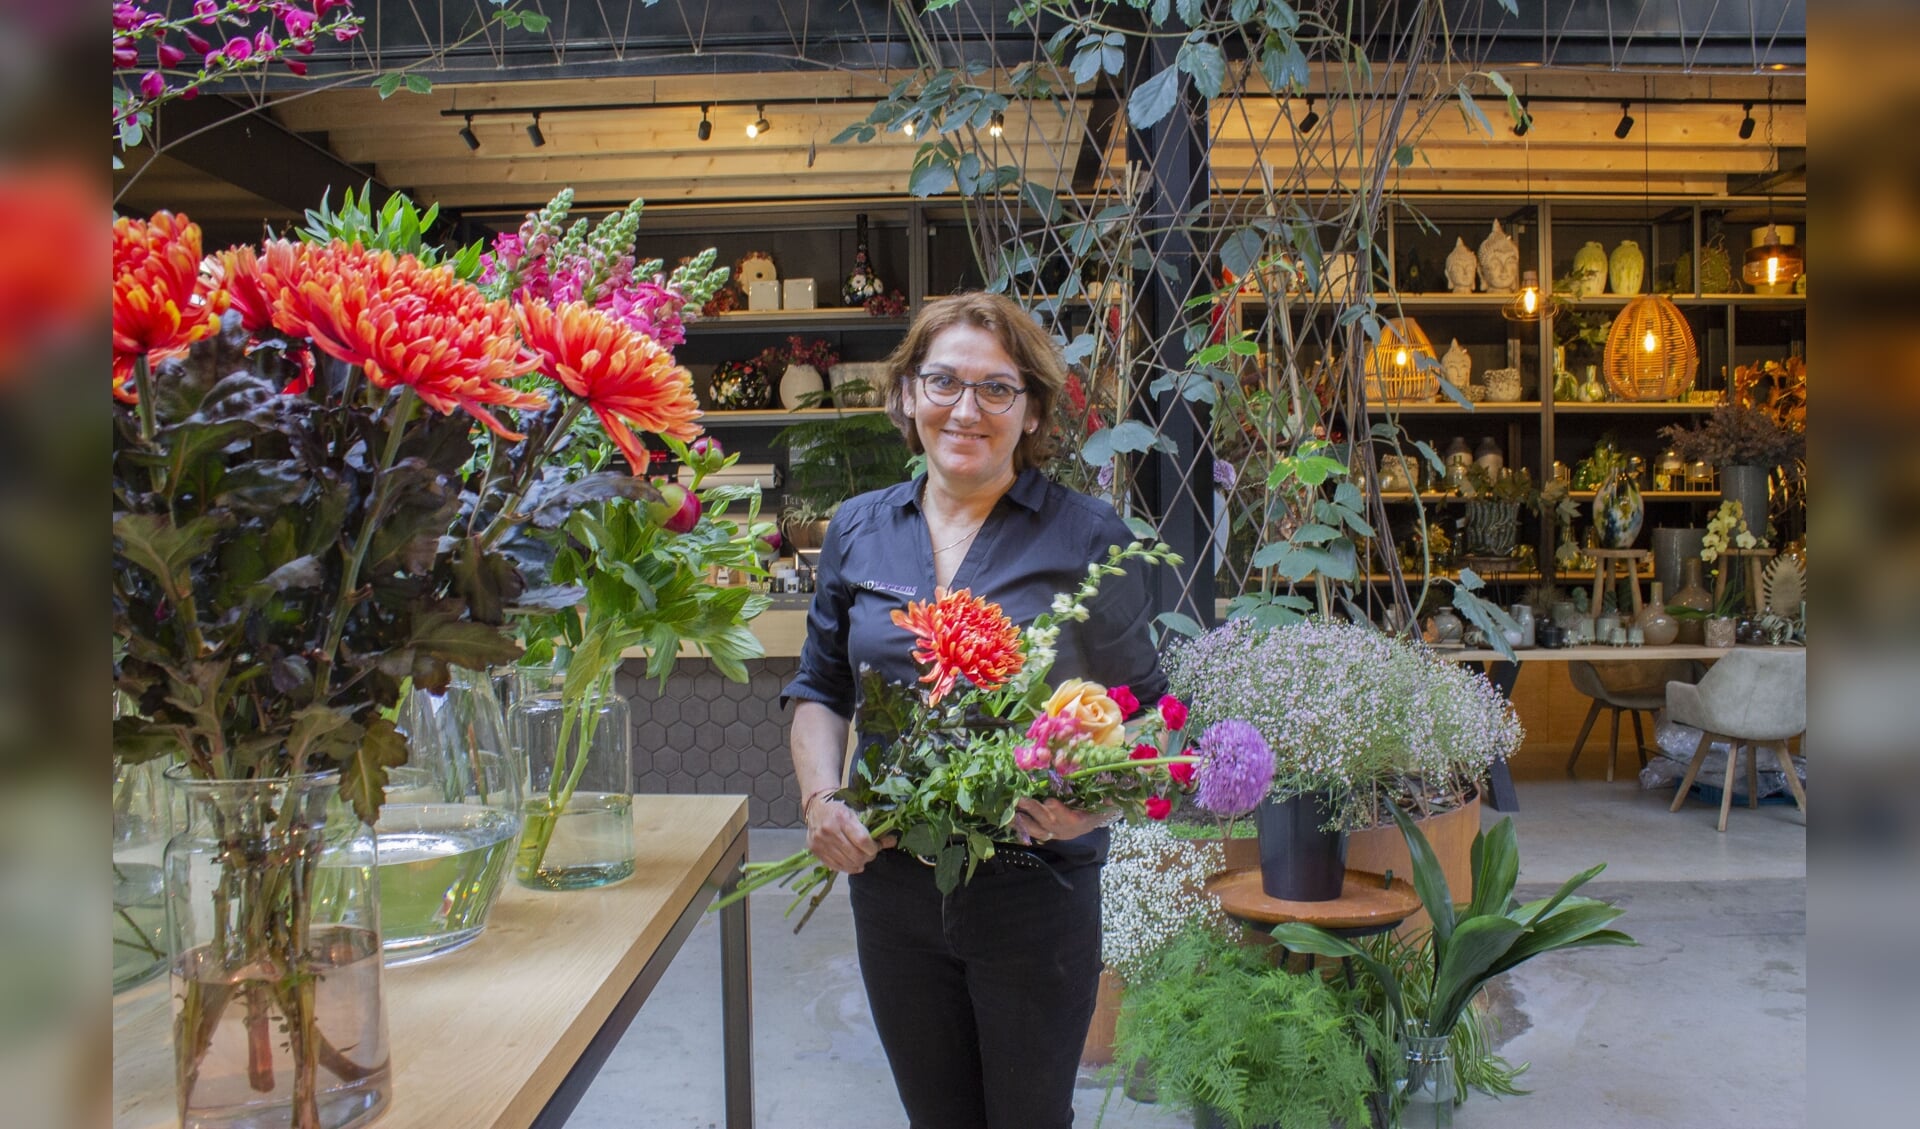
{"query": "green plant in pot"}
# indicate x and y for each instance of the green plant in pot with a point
(834, 459)
(1494, 502)
(1469, 945)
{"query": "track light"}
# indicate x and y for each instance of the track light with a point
(705, 130)
(1312, 119)
(534, 134)
(759, 124)
(1746, 123)
(1525, 123)
(467, 135)
(1626, 121)
(997, 125)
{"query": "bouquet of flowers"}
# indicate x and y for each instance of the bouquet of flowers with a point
(984, 729)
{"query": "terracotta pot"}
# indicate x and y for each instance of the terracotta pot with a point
(1383, 848)
(1106, 1021)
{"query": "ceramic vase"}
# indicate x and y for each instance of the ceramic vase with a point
(1746, 485)
(1489, 458)
(1590, 269)
(1503, 385)
(1457, 364)
(1671, 548)
(1493, 528)
(1447, 627)
(1618, 512)
(1626, 267)
(1499, 261)
(1693, 597)
(800, 381)
(1592, 391)
(1300, 861)
(1462, 268)
(1655, 622)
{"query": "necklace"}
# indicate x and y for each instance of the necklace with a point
(962, 541)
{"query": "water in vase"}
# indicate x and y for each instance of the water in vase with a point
(139, 923)
(440, 868)
(589, 843)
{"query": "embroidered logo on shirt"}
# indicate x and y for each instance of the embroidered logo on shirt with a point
(895, 589)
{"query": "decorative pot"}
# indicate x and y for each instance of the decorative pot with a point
(1428, 1090)
(1747, 485)
(1626, 268)
(1098, 1049)
(1656, 624)
(273, 921)
(1722, 631)
(1503, 385)
(579, 795)
(450, 820)
(1523, 620)
(798, 382)
(1457, 364)
(1488, 457)
(1590, 270)
(1618, 512)
(1592, 391)
(1447, 627)
(1382, 848)
(1671, 548)
(1499, 261)
(1300, 861)
(869, 373)
(1462, 268)
(140, 825)
(739, 386)
(1493, 528)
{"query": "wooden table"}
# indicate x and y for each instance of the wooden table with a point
(508, 1032)
(1367, 904)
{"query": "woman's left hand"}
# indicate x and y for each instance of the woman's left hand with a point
(1041, 821)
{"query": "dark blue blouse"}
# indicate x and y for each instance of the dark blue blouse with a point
(1035, 544)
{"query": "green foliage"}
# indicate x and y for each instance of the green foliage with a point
(398, 226)
(835, 459)
(1475, 1063)
(1223, 1029)
(1482, 485)
(1471, 944)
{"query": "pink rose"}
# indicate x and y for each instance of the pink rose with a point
(1173, 712)
(1143, 753)
(1123, 697)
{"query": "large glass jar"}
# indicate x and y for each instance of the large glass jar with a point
(273, 923)
(450, 821)
(576, 737)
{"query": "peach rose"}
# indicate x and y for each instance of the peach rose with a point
(1088, 705)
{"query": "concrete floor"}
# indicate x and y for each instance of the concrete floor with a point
(1703, 1025)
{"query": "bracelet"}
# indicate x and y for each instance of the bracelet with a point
(806, 805)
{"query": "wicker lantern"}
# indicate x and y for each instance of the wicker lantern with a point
(1394, 369)
(1650, 351)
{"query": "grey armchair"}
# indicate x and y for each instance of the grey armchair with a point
(1751, 699)
(1629, 686)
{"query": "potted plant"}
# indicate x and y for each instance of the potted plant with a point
(831, 460)
(1469, 946)
(1745, 444)
(1246, 1044)
(1494, 500)
(1360, 724)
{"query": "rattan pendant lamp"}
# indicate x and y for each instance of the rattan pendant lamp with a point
(1650, 353)
(1402, 365)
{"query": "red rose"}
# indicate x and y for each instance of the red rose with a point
(1173, 711)
(1182, 772)
(1123, 697)
(1159, 807)
(1143, 753)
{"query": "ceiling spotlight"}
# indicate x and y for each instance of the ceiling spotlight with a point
(533, 133)
(467, 135)
(1746, 123)
(759, 124)
(1312, 119)
(1525, 123)
(998, 124)
(1626, 121)
(705, 130)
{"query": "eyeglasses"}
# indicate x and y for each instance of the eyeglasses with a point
(992, 395)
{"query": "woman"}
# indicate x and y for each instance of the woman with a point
(982, 998)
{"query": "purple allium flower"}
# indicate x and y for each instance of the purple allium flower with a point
(1236, 767)
(1224, 474)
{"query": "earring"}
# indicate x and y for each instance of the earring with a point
(1032, 427)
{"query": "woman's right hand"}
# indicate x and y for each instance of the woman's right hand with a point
(838, 839)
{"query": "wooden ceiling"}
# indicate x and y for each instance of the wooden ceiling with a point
(1683, 143)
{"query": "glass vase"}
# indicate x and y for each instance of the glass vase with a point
(577, 742)
(140, 828)
(1428, 1092)
(273, 923)
(1722, 631)
(450, 821)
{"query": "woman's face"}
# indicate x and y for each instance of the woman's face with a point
(968, 444)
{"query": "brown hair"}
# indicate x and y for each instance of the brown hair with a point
(1042, 369)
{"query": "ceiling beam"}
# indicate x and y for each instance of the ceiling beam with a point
(222, 138)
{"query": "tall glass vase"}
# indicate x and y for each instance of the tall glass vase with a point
(450, 821)
(273, 922)
(1428, 1092)
(139, 901)
(577, 741)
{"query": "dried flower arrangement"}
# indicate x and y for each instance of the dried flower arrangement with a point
(1736, 436)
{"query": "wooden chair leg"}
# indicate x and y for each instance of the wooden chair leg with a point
(1613, 746)
(1693, 770)
(1753, 775)
(1580, 742)
(1726, 785)
(1639, 739)
(1793, 778)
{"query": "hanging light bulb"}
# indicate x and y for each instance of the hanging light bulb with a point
(906, 127)
(1650, 342)
(998, 124)
(1775, 263)
(1400, 357)
(1530, 304)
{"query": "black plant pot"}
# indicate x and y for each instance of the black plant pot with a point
(1299, 862)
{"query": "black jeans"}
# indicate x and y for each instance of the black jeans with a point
(982, 998)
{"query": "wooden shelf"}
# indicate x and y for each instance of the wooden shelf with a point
(1444, 407)
(828, 318)
(1628, 407)
(1657, 495)
(780, 416)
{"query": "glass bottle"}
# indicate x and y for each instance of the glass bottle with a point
(1428, 1092)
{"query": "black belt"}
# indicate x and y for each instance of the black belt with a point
(1007, 859)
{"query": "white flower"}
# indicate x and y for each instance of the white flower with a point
(1747, 540)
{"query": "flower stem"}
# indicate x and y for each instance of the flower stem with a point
(506, 519)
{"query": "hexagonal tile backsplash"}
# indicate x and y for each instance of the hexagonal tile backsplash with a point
(703, 735)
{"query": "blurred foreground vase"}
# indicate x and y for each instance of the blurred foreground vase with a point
(450, 820)
(1300, 861)
(577, 741)
(139, 902)
(274, 946)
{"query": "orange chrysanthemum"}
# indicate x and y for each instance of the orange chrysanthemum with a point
(625, 376)
(160, 303)
(236, 273)
(962, 636)
(403, 322)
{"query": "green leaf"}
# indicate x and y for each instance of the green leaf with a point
(534, 22)
(418, 83)
(1472, 953)
(1429, 880)
(154, 543)
(389, 84)
(1183, 624)
(1496, 866)
(475, 646)
(1206, 63)
(363, 776)
(1534, 911)
(1241, 250)
(1153, 99)
(320, 733)
(1471, 111)
(931, 179)
(1313, 533)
